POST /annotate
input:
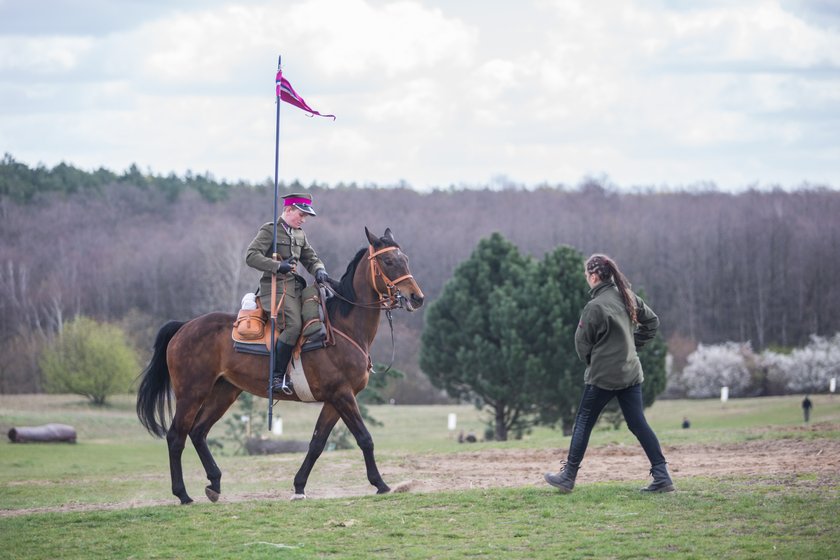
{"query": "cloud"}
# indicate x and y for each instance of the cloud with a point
(354, 37)
(432, 91)
(334, 41)
(42, 55)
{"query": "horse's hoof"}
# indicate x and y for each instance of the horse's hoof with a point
(212, 495)
(384, 490)
(185, 501)
(296, 497)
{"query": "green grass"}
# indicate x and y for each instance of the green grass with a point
(117, 466)
(727, 519)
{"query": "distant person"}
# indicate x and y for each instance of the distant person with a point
(807, 405)
(686, 423)
(614, 324)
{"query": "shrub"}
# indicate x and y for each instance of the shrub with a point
(811, 367)
(712, 367)
(89, 359)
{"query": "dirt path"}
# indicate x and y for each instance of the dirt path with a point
(512, 468)
(506, 468)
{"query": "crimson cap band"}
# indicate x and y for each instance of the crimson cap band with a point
(300, 201)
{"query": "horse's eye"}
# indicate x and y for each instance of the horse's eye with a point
(388, 261)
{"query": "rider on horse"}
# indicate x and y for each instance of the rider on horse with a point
(292, 247)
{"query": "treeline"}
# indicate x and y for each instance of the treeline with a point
(757, 266)
(22, 184)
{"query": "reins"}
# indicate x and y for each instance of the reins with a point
(393, 299)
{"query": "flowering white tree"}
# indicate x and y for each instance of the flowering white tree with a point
(811, 367)
(712, 367)
(776, 368)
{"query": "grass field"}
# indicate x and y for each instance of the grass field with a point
(108, 495)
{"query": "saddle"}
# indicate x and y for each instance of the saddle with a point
(251, 331)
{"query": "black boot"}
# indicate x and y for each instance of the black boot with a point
(565, 479)
(661, 479)
(281, 362)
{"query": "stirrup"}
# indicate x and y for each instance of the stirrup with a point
(283, 384)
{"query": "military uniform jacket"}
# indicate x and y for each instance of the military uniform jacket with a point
(607, 340)
(290, 242)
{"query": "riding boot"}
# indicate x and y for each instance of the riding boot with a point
(565, 479)
(661, 479)
(283, 353)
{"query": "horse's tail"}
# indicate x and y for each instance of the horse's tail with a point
(154, 403)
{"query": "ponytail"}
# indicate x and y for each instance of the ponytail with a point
(607, 270)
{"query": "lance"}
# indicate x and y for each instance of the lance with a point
(283, 92)
(275, 256)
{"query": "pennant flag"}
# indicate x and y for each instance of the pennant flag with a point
(286, 92)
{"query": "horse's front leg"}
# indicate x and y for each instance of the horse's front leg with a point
(348, 408)
(323, 427)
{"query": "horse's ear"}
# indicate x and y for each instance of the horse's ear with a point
(372, 239)
(389, 236)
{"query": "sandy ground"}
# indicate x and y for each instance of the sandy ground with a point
(503, 468)
(498, 468)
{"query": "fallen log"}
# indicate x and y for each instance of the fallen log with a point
(259, 446)
(47, 433)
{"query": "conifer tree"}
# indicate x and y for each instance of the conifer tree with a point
(468, 347)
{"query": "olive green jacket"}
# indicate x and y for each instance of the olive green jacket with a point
(607, 340)
(294, 244)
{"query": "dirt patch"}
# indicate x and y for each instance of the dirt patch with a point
(525, 467)
(782, 459)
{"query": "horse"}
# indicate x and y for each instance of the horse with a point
(196, 361)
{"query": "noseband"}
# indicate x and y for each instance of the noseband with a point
(392, 299)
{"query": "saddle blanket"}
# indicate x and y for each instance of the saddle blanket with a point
(295, 371)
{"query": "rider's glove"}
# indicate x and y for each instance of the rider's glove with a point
(286, 266)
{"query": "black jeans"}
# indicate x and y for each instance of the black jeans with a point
(593, 402)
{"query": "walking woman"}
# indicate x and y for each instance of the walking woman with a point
(614, 324)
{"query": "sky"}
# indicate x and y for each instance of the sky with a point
(430, 93)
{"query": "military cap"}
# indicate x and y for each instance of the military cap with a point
(300, 201)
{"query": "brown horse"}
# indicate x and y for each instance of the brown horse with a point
(197, 363)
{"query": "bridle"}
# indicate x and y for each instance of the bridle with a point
(392, 299)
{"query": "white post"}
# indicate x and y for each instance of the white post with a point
(724, 394)
(452, 421)
(277, 428)
(247, 421)
(832, 384)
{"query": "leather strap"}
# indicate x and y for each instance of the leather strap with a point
(356, 344)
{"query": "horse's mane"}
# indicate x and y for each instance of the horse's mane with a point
(345, 286)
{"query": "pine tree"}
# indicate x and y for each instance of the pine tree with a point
(469, 347)
(558, 295)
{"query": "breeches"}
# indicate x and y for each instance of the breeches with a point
(289, 315)
(290, 321)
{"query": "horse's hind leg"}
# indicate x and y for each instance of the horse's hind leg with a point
(323, 427)
(176, 437)
(348, 408)
(223, 395)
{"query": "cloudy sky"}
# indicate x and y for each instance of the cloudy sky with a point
(431, 92)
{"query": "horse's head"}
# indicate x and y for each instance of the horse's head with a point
(389, 273)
